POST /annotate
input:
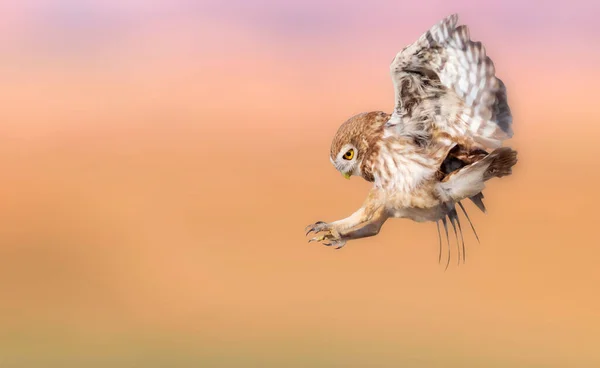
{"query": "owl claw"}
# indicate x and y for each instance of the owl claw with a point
(338, 243)
(331, 237)
(317, 227)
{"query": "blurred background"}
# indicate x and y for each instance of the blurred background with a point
(161, 159)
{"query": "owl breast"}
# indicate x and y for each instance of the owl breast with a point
(400, 167)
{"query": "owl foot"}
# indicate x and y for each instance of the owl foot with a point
(330, 238)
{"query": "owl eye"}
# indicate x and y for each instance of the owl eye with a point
(349, 155)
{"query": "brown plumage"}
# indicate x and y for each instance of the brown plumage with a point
(438, 147)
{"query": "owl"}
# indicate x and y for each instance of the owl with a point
(439, 146)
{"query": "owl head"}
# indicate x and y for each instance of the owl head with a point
(354, 141)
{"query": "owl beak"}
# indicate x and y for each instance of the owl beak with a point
(347, 175)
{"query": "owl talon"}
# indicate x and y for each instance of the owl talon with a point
(339, 243)
(317, 227)
(329, 239)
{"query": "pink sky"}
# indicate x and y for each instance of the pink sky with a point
(161, 158)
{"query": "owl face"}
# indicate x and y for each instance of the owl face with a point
(347, 161)
(353, 143)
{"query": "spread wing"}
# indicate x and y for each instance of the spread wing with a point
(446, 82)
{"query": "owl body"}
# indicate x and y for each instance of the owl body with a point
(417, 214)
(406, 171)
(440, 144)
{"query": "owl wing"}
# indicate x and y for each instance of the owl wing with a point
(448, 78)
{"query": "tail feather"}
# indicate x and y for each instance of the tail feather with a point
(468, 181)
(445, 223)
(454, 221)
(469, 219)
(477, 199)
(501, 162)
(452, 217)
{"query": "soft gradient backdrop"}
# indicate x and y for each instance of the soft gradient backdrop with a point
(159, 161)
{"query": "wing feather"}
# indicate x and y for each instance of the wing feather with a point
(453, 81)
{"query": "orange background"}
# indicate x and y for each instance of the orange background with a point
(161, 160)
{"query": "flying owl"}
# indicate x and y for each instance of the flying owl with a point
(439, 146)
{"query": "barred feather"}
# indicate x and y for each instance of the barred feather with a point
(448, 78)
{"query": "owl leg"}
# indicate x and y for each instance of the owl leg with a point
(348, 222)
(363, 223)
(332, 230)
(365, 229)
(366, 221)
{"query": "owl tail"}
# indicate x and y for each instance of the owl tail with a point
(501, 162)
(452, 215)
(469, 181)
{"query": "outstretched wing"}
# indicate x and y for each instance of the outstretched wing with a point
(448, 80)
